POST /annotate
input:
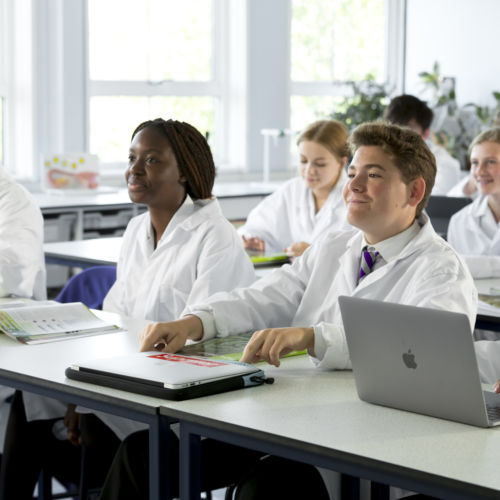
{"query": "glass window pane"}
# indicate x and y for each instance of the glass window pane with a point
(337, 40)
(150, 40)
(113, 119)
(307, 109)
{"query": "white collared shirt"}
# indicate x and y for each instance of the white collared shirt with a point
(390, 248)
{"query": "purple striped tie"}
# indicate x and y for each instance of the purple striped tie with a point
(367, 262)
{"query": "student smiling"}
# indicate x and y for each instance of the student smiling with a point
(179, 252)
(301, 211)
(473, 231)
(296, 307)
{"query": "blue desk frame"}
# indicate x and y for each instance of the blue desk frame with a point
(159, 425)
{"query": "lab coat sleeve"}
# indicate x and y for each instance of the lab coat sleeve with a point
(222, 264)
(264, 220)
(270, 302)
(21, 244)
(330, 347)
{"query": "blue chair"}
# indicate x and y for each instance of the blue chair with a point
(89, 286)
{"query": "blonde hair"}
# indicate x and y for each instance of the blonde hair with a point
(490, 135)
(331, 134)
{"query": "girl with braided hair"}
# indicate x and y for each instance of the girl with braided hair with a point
(179, 252)
(182, 249)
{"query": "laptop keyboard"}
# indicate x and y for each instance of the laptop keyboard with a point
(493, 412)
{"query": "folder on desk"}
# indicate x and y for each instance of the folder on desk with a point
(169, 376)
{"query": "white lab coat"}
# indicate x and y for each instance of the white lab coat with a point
(198, 255)
(22, 262)
(448, 170)
(479, 247)
(427, 273)
(287, 216)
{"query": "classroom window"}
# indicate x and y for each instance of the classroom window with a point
(333, 42)
(150, 59)
(114, 118)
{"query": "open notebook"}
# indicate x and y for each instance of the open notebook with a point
(170, 376)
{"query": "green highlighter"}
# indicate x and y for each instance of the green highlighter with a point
(270, 259)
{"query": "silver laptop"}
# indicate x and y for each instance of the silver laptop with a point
(170, 376)
(417, 359)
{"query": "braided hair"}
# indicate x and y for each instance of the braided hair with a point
(192, 153)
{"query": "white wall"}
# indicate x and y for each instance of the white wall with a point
(463, 36)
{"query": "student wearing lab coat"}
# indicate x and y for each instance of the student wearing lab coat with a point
(389, 181)
(179, 252)
(22, 262)
(305, 208)
(473, 231)
(409, 111)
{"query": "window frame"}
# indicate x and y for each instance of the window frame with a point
(395, 14)
(211, 88)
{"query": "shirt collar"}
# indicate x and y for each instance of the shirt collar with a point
(390, 248)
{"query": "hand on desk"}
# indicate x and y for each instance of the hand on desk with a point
(269, 345)
(496, 387)
(254, 243)
(171, 336)
(297, 249)
(72, 423)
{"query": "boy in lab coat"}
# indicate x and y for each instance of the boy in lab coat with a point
(409, 111)
(389, 181)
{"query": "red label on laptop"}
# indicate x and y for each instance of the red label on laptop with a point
(185, 359)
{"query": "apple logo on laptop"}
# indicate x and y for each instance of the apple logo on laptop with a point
(409, 359)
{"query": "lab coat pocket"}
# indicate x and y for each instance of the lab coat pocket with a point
(172, 303)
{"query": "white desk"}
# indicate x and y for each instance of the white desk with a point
(98, 252)
(40, 369)
(316, 417)
(84, 253)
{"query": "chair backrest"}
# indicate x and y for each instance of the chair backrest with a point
(441, 208)
(89, 286)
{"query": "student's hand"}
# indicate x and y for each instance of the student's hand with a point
(470, 187)
(496, 387)
(297, 249)
(171, 336)
(72, 423)
(254, 243)
(272, 344)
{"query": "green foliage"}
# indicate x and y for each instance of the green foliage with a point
(367, 103)
(454, 126)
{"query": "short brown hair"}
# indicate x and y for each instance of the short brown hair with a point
(192, 153)
(407, 149)
(490, 135)
(331, 134)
